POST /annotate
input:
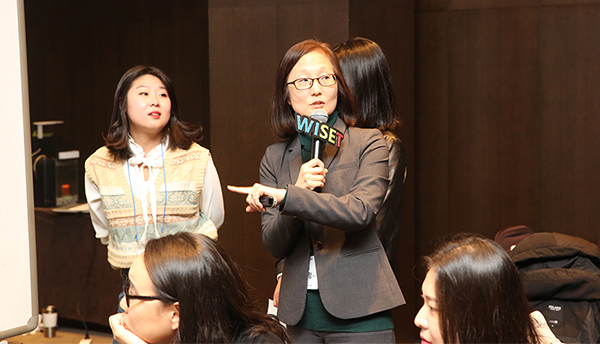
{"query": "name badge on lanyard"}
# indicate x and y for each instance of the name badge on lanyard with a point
(313, 283)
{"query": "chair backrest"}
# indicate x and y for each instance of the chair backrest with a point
(509, 237)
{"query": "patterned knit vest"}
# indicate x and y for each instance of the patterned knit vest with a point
(185, 174)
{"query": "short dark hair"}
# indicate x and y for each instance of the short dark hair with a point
(479, 293)
(213, 301)
(283, 121)
(180, 134)
(368, 75)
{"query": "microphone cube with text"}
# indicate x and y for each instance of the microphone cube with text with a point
(319, 130)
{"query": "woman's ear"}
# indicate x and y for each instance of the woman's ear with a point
(175, 316)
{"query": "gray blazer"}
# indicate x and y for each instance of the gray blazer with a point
(354, 274)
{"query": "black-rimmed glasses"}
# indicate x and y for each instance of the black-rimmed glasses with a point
(301, 84)
(129, 297)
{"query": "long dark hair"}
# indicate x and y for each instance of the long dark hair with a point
(283, 121)
(368, 76)
(180, 134)
(479, 293)
(214, 306)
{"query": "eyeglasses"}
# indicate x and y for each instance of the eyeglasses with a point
(129, 297)
(306, 83)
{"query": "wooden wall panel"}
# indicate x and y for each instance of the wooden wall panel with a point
(492, 119)
(242, 67)
(506, 129)
(298, 20)
(570, 125)
(432, 137)
(506, 124)
(453, 5)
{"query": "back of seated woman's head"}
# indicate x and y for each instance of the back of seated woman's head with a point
(472, 294)
(213, 302)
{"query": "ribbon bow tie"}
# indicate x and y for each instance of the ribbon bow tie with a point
(142, 160)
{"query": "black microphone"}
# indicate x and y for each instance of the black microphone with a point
(316, 150)
(321, 116)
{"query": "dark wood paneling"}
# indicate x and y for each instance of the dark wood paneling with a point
(506, 117)
(568, 2)
(242, 71)
(477, 127)
(492, 119)
(491, 4)
(570, 125)
(432, 71)
(298, 20)
(459, 5)
(506, 124)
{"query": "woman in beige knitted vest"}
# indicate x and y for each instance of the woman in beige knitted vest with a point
(151, 179)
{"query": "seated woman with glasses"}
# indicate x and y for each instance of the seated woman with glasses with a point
(185, 289)
(473, 294)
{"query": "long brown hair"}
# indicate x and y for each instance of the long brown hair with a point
(180, 133)
(283, 121)
(214, 306)
(479, 293)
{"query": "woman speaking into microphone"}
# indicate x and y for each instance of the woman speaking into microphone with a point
(338, 284)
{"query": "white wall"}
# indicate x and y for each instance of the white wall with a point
(18, 276)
